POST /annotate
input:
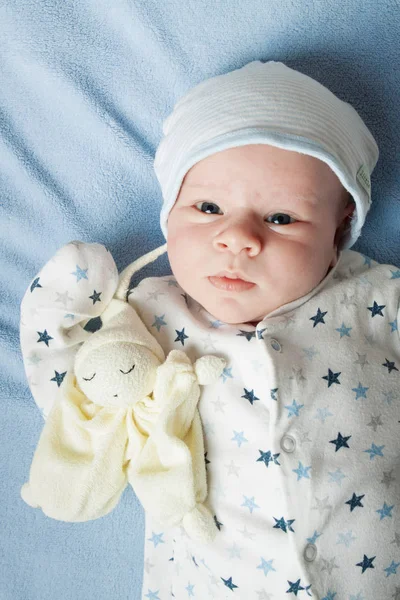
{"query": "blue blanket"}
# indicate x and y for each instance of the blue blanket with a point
(85, 86)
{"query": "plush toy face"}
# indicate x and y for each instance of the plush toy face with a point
(117, 374)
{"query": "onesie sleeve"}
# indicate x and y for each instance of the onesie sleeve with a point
(60, 309)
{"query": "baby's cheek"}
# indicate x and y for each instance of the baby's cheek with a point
(179, 255)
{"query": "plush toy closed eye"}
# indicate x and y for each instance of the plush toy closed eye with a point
(116, 410)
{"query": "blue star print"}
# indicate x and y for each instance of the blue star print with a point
(331, 596)
(95, 296)
(366, 563)
(250, 504)
(59, 378)
(181, 336)
(385, 511)
(343, 330)
(274, 394)
(227, 372)
(35, 284)
(189, 589)
(390, 365)
(44, 337)
(266, 566)
(323, 414)
(376, 309)
(314, 537)
(355, 501)
(346, 538)
(216, 324)
(293, 409)
(172, 282)
(336, 477)
(284, 525)
(159, 322)
(374, 451)
(266, 458)
(392, 568)
(340, 442)
(153, 595)
(332, 378)
(239, 438)
(249, 335)
(319, 317)
(360, 391)
(156, 539)
(80, 273)
(295, 588)
(228, 583)
(250, 396)
(302, 471)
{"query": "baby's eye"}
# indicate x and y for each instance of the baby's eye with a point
(90, 378)
(281, 219)
(126, 372)
(206, 206)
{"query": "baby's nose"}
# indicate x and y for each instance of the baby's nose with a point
(238, 236)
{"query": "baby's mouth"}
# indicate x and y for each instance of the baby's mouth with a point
(230, 284)
(233, 275)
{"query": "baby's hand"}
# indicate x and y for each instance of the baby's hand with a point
(208, 369)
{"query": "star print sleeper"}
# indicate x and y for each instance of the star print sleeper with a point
(302, 444)
(301, 433)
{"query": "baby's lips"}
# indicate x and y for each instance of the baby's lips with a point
(230, 285)
(233, 275)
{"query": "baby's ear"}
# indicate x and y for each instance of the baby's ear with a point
(345, 222)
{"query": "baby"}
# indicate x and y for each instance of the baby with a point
(265, 177)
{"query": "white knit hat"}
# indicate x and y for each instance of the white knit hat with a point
(267, 103)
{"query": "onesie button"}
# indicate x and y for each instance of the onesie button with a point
(276, 345)
(288, 443)
(310, 552)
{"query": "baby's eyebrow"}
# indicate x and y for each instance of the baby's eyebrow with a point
(209, 185)
(309, 198)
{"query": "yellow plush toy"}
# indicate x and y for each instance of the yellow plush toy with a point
(116, 411)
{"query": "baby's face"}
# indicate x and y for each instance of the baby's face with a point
(269, 214)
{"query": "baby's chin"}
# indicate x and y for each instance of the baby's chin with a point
(244, 321)
(233, 315)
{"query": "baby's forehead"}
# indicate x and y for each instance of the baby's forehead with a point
(262, 174)
(242, 190)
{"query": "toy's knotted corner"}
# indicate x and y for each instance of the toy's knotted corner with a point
(27, 497)
(208, 369)
(199, 524)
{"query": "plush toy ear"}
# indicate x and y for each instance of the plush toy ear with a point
(58, 313)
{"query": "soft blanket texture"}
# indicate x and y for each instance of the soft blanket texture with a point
(85, 86)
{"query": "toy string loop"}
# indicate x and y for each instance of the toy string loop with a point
(130, 270)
